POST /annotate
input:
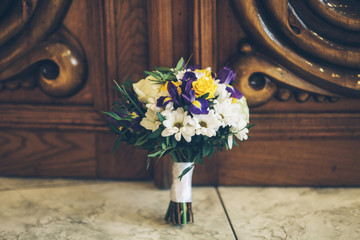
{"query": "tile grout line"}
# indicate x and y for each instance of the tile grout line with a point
(226, 213)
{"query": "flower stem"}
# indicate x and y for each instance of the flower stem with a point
(179, 213)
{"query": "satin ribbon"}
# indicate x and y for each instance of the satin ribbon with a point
(181, 190)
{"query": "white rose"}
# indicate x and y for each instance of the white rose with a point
(244, 108)
(146, 88)
(150, 121)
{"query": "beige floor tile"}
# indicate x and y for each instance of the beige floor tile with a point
(114, 210)
(293, 213)
(13, 183)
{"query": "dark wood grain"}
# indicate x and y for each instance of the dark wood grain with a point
(47, 153)
(181, 13)
(50, 116)
(161, 48)
(228, 33)
(126, 163)
(293, 162)
(204, 32)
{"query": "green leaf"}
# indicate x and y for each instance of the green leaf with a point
(117, 143)
(155, 134)
(148, 163)
(115, 129)
(204, 96)
(126, 94)
(174, 156)
(186, 170)
(161, 117)
(128, 83)
(250, 126)
(152, 74)
(160, 153)
(163, 69)
(210, 153)
(206, 149)
(199, 159)
(113, 115)
(173, 142)
(179, 65)
(163, 145)
(141, 140)
(152, 155)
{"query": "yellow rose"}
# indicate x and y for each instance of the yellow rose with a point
(204, 85)
(146, 89)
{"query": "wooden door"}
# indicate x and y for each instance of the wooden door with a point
(296, 62)
(57, 62)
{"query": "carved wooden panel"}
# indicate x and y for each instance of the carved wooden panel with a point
(296, 44)
(298, 69)
(57, 63)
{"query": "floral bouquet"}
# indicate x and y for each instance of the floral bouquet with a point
(185, 112)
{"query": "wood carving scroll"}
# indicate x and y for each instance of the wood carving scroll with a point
(293, 49)
(36, 50)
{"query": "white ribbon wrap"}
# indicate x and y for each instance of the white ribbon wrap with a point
(181, 190)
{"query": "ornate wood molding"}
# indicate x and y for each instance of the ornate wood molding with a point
(291, 48)
(33, 52)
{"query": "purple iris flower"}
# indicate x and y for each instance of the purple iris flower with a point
(174, 93)
(234, 92)
(193, 68)
(196, 106)
(163, 101)
(189, 76)
(174, 96)
(226, 75)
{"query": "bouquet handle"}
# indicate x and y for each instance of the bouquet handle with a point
(180, 209)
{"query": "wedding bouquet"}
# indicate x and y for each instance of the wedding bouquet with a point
(185, 112)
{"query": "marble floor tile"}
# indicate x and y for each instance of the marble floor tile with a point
(293, 213)
(111, 210)
(13, 183)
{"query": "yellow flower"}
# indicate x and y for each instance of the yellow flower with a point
(134, 115)
(204, 85)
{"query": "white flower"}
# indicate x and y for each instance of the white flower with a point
(146, 88)
(202, 73)
(152, 105)
(180, 74)
(230, 141)
(178, 123)
(240, 130)
(242, 134)
(227, 112)
(244, 109)
(206, 124)
(221, 91)
(150, 121)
